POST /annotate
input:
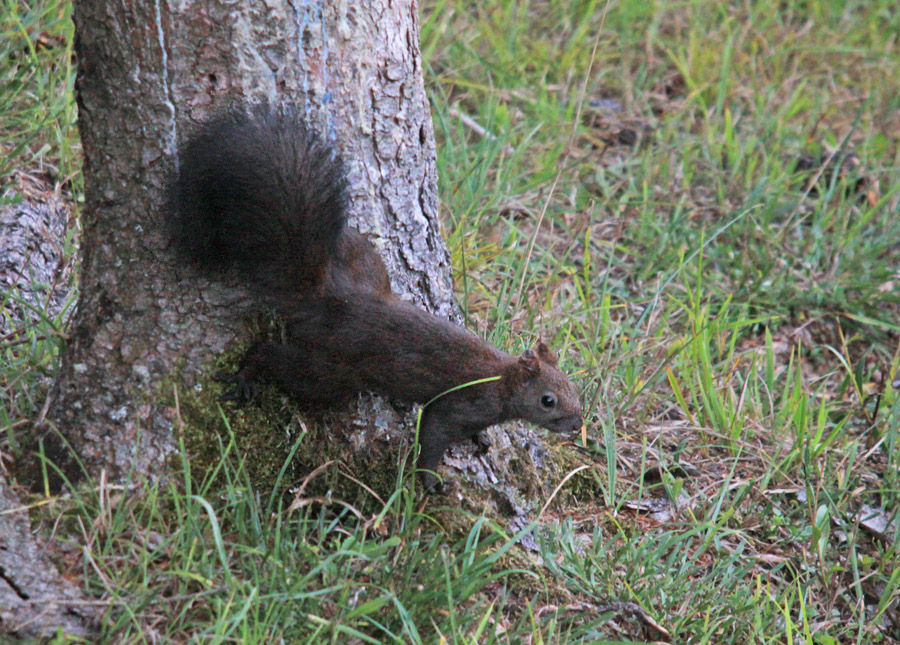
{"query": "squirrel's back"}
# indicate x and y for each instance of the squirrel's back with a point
(258, 192)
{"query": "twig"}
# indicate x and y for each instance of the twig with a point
(559, 486)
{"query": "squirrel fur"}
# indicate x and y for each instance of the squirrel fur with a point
(258, 195)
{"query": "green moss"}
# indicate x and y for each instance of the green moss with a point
(278, 445)
(273, 431)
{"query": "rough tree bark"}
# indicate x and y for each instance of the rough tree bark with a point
(147, 72)
(33, 223)
(35, 600)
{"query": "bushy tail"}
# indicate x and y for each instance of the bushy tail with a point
(258, 193)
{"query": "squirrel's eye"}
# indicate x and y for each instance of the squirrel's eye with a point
(548, 401)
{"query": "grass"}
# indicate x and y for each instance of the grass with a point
(184, 563)
(37, 103)
(713, 245)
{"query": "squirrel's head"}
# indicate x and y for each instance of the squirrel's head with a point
(544, 395)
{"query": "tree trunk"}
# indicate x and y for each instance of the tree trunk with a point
(147, 327)
(147, 73)
(35, 600)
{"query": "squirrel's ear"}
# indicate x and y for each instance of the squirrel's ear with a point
(530, 361)
(546, 353)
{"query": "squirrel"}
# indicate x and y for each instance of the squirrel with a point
(258, 195)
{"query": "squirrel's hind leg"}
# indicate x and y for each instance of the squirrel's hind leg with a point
(304, 374)
(248, 377)
(243, 391)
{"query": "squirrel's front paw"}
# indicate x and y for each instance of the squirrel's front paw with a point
(243, 391)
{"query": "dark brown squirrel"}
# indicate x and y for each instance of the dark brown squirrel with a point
(259, 195)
